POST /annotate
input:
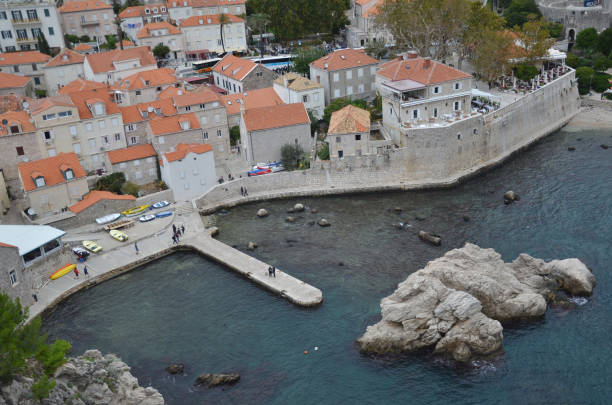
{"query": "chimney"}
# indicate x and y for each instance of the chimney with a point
(242, 109)
(426, 63)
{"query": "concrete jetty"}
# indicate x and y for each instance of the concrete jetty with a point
(124, 258)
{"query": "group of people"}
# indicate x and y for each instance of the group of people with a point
(177, 232)
(76, 271)
(243, 191)
(272, 271)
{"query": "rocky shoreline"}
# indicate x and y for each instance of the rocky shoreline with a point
(457, 303)
(88, 379)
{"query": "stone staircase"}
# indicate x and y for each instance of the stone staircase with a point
(184, 208)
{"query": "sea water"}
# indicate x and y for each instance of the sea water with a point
(184, 308)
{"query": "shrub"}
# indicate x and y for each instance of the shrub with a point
(600, 82)
(131, 188)
(324, 151)
(84, 38)
(604, 41)
(291, 154)
(234, 135)
(71, 38)
(601, 64)
(587, 39)
(113, 182)
(161, 51)
(584, 75)
(53, 356)
(608, 96)
(40, 93)
(42, 388)
(526, 71)
(572, 61)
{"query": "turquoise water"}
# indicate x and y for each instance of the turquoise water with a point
(184, 308)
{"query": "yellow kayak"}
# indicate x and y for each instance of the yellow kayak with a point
(63, 271)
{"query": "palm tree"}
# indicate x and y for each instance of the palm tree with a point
(223, 19)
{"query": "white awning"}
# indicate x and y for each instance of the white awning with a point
(28, 237)
(483, 94)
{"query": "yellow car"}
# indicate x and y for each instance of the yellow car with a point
(135, 210)
(120, 236)
(91, 245)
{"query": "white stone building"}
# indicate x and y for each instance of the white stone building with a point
(203, 32)
(164, 33)
(189, 170)
(293, 88)
(117, 64)
(64, 68)
(28, 63)
(21, 21)
(363, 28)
(349, 132)
(94, 18)
(136, 17)
(237, 75)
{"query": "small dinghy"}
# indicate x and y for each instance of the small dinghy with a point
(108, 218)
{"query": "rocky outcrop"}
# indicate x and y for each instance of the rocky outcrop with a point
(455, 304)
(214, 380)
(87, 379)
(175, 368)
(430, 237)
(251, 245)
(298, 207)
(510, 197)
(323, 222)
(262, 212)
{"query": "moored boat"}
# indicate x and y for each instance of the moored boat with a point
(108, 218)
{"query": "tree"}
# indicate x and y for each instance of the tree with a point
(376, 49)
(234, 135)
(314, 122)
(113, 182)
(526, 72)
(601, 64)
(131, 188)
(324, 151)
(555, 29)
(535, 39)
(604, 41)
(223, 19)
(84, 38)
(258, 23)
(600, 82)
(43, 45)
(303, 58)
(586, 39)
(521, 11)
(291, 154)
(161, 51)
(43, 387)
(111, 42)
(490, 57)
(584, 75)
(482, 24)
(340, 103)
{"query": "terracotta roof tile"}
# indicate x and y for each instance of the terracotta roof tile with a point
(131, 153)
(265, 97)
(147, 78)
(170, 92)
(16, 118)
(182, 149)
(171, 125)
(373, 9)
(277, 116)
(234, 67)
(103, 61)
(139, 11)
(9, 81)
(20, 58)
(81, 85)
(424, 71)
(133, 113)
(348, 120)
(83, 47)
(81, 98)
(145, 32)
(41, 104)
(209, 19)
(127, 44)
(7, 245)
(84, 5)
(11, 102)
(344, 59)
(297, 82)
(95, 196)
(65, 57)
(196, 97)
(49, 168)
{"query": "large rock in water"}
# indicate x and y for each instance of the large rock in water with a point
(455, 304)
(214, 380)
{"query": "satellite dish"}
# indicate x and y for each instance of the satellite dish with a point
(4, 121)
(26, 105)
(150, 108)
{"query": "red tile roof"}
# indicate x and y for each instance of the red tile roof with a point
(7, 245)
(344, 59)
(83, 100)
(265, 97)
(11, 102)
(24, 57)
(103, 61)
(374, 9)
(41, 104)
(16, 118)
(348, 120)
(81, 85)
(145, 32)
(131, 153)
(147, 78)
(277, 116)
(9, 81)
(95, 196)
(170, 92)
(209, 19)
(424, 71)
(139, 11)
(49, 168)
(133, 113)
(196, 97)
(84, 5)
(66, 57)
(83, 47)
(171, 125)
(234, 67)
(182, 149)
(127, 44)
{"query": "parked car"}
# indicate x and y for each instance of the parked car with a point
(92, 246)
(80, 252)
(120, 236)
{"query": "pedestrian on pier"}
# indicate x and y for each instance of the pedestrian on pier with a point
(85, 271)
(269, 271)
(76, 272)
(174, 229)
(182, 229)
(174, 239)
(246, 193)
(242, 191)
(136, 247)
(273, 271)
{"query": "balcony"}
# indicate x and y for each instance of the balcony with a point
(24, 21)
(26, 40)
(89, 23)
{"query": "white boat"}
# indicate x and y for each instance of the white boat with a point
(108, 218)
(147, 218)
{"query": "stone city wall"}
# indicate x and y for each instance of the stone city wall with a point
(433, 157)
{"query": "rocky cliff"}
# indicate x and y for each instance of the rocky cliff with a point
(87, 379)
(455, 304)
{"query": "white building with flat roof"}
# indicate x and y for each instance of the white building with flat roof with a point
(189, 170)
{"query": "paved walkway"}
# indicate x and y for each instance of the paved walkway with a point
(121, 259)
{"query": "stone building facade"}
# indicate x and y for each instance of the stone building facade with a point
(167, 133)
(164, 33)
(349, 132)
(238, 75)
(293, 88)
(21, 21)
(138, 163)
(203, 32)
(64, 68)
(93, 18)
(28, 63)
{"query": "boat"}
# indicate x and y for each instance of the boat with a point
(135, 211)
(163, 214)
(120, 236)
(258, 172)
(91, 245)
(108, 218)
(161, 204)
(147, 218)
(63, 271)
(124, 223)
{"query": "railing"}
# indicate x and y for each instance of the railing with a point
(24, 40)
(26, 21)
(84, 23)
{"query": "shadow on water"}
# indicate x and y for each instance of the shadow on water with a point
(183, 308)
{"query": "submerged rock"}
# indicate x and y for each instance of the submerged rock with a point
(323, 222)
(455, 304)
(604, 146)
(251, 245)
(298, 207)
(510, 197)
(290, 219)
(175, 368)
(571, 148)
(213, 380)
(314, 210)
(430, 237)
(261, 213)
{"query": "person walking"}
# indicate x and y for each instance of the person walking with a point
(182, 229)
(242, 191)
(269, 271)
(273, 271)
(174, 229)
(76, 272)
(85, 271)
(136, 247)
(174, 240)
